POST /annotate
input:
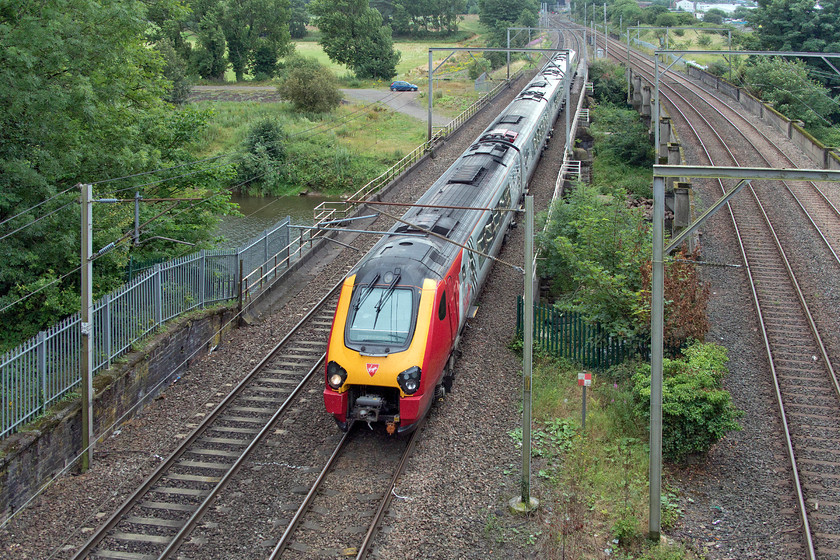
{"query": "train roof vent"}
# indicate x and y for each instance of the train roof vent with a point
(494, 150)
(500, 134)
(429, 221)
(539, 84)
(436, 257)
(444, 225)
(468, 174)
(510, 119)
(532, 94)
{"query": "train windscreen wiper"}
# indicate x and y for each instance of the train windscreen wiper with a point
(367, 292)
(385, 295)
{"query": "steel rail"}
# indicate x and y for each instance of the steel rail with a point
(818, 338)
(185, 531)
(211, 418)
(386, 500)
(762, 321)
(290, 528)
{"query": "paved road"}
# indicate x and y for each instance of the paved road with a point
(406, 102)
(402, 101)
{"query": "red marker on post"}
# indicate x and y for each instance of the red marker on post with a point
(584, 380)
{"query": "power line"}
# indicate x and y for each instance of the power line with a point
(19, 214)
(35, 221)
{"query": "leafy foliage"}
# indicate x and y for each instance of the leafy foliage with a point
(608, 82)
(686, 299)
(263, 156)
(796, 25)
(298, 19)
(623, 137)
(310, 86)
(82, 96)
(696, 411)
(787, 85)
(420, 18)
(594, 249)
(353, 33)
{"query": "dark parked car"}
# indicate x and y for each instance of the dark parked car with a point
(399, 85)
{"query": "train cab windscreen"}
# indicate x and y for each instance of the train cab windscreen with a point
(381, 316)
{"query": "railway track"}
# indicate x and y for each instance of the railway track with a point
(163, 514)
(805, 383)
(347, 502)
(158, 517)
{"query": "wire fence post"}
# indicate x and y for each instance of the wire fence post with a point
(202, 279)
(106, 328)
(42, 370)
(157, 290)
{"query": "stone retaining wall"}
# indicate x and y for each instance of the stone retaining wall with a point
(30, 458)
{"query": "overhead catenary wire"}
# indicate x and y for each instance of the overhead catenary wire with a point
(33, 207)
(113, 244)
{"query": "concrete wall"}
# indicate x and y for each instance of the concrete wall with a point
(31, 457)
(824, 157)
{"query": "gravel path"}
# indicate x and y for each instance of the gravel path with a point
(407, 102)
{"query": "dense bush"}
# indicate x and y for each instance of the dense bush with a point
(310, 86)
(594, 249)
(261, 163)
(609, 83)
(686, 299)
(696, 411)
(621, 136)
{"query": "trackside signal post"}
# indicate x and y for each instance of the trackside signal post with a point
(657, 305)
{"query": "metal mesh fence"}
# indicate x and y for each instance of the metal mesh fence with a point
(45, 369)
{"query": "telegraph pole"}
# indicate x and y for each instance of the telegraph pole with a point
(525, 502)
(86, 358)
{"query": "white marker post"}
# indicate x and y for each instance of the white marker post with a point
(584, 380)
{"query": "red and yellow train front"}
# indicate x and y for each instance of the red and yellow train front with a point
(387, 350)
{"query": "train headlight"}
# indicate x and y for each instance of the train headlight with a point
(409, 380)
(336, 375)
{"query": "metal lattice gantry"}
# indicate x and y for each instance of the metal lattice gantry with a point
(660, 173)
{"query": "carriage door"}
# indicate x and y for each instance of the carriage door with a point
(453, 297)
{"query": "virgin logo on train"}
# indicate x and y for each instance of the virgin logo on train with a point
(372, 368)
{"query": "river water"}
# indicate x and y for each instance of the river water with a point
(262, 212)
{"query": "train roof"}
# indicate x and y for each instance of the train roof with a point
(467, 184)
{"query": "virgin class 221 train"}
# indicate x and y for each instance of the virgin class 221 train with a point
(402, 307)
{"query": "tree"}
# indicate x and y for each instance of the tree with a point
(497, 14)
(412, 17)
(175, 70)
(310, 86)
(261, 163)
(594, 250)
(82, 97)
(255, 26)
(353, 33)
(208, 59)
(715, 16)
(797, 25)
(298, 19)
(787, 85)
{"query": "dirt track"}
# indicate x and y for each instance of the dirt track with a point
(406, 102)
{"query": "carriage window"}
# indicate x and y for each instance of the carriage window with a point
(442, 306)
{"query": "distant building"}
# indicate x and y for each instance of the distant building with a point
(700, 8)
